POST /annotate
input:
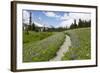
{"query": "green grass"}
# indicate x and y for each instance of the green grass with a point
(44, 49)
(35, 36)
(81, 44)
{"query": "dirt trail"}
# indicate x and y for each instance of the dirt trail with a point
(63, 49)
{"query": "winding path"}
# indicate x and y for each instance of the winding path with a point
(63, 49)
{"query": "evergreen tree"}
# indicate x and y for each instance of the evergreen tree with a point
(73, 25)
(84, 23)
(33, 26)
(80, 23)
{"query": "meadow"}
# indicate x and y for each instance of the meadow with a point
(41, 46)
(35, 36)
(81, 44)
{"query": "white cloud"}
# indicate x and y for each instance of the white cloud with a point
(38, 24)
(82, 16)
(51, 14)
(66, 23)
(26, 17)
(65, 17)
(67, 20)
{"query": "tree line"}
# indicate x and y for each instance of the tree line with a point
(81, 24)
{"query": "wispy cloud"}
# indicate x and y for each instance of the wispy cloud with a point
(68, 19)
(82, 16)
(25, 17)
(51, 14)
(65, 17)
(66, 23)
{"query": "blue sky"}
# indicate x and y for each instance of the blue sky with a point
(55, 19)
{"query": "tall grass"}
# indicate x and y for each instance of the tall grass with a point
(81, 44)
(35, 36)
(43, 50)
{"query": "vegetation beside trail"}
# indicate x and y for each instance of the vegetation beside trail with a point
(35, 36)
(42, 50)
(81, 44)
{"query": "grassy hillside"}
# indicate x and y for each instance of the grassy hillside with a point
(35, 36)
(81, 44)
(42, 50)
